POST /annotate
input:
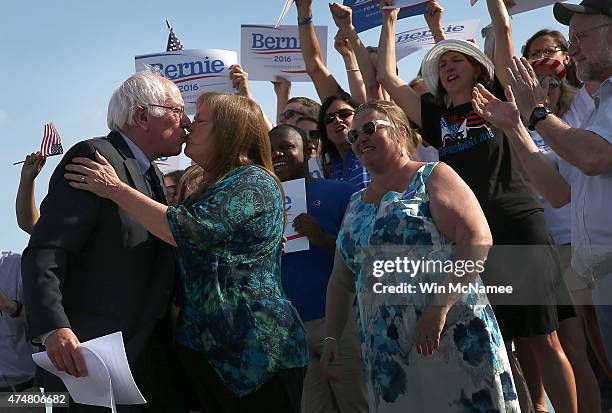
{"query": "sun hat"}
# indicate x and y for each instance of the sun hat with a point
(564, 12)
(430, 66)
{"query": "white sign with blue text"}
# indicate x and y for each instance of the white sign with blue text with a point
(413, 40)
(295, 204)
(193, 71)
(267, 52)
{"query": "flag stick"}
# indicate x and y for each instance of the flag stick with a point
(17, 163)
(169, 25)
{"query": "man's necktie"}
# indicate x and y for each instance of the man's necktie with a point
(157, 191)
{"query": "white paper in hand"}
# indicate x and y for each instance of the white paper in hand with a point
(109, 379)
(95, 389)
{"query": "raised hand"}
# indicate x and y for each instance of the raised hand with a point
(502, 115)
(240, 80)
(342, 45)
(343, 17)
(526, 87)
(434, 14)
(282, 87)
(32, 166)
(388, 13)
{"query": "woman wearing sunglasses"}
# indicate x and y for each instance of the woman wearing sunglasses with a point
(412, 341)
(340, 162)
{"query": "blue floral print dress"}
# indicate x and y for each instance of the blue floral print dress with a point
(470, 371)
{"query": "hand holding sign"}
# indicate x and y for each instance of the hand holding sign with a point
(307, 225)
(240, 80)
(434, 15)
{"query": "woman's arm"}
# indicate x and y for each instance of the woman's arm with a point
(101, 179)
(400, 92)
(502, 29)
(433, 17)
(344, 21)
(325, 83)
(25, 203)
(353, 74)
(240, 82)
(282, 89)
(463, 222)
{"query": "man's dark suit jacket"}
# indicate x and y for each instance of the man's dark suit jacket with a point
(92, 268)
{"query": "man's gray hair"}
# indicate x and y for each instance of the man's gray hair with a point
(139, 90)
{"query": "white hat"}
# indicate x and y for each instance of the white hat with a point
(430, 67)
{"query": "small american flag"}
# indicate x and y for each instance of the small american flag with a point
(51, 143)
(174, 43)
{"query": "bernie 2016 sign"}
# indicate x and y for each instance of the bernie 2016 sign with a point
(193, 71)
(267, 52)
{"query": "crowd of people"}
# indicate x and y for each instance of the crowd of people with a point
(485, 157)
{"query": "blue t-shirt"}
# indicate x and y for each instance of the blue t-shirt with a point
(350, 171)
(305, 273)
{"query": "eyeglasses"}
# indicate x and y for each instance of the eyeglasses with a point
(576, 39)
(368, 128)
(289, 113)
(342, 114)
(547, 52)
(177, 111)
(552, 81)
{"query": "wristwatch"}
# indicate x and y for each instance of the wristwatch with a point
(538, 114)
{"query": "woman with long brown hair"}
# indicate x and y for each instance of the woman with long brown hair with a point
(239, 335)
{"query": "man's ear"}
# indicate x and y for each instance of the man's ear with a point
(141, 117)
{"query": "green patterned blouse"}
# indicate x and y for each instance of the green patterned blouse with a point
(234, 310)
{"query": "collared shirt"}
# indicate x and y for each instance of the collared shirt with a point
(143, 162)
(16, 365)
(592, 196)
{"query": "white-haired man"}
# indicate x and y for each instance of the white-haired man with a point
(585, 168)
(90, 270)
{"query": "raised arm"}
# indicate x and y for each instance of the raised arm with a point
(353, 74)
(282, 89)
(343, 18)
(502, 30)
(25, 203)
(324, 82)
(240, 81)
(433, 17)
(400, 92)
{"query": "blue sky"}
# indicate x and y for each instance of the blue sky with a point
(63, 59)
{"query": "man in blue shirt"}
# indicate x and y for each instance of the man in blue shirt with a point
(305, 275)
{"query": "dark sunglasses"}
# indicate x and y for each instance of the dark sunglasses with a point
(368, 128)
(342, 114)
(289, 113)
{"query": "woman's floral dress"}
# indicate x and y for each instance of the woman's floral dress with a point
(470, 371)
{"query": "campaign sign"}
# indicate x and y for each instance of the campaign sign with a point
(267, 52)
(295, 204)
(410, 41)
(168, 164)
(366, 13)
(521, 6)
(193, 71)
